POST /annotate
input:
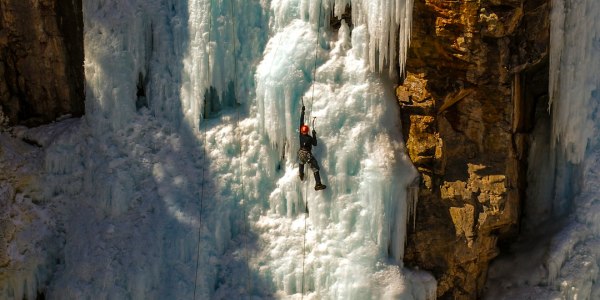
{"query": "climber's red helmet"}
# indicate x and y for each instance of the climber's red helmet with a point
(304, 129)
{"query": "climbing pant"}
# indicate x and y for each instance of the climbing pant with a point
(305, 157)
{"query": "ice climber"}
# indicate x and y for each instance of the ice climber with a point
(304, 154)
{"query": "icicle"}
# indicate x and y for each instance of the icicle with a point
(412, 199)
(388, 22)
(383, 19)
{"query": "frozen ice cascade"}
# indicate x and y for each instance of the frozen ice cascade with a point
(561, 259)
(181, 181)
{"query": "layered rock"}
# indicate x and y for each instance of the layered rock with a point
(41, 61)
(465, 125)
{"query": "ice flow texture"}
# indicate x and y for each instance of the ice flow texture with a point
(156, 164)
(573, 259)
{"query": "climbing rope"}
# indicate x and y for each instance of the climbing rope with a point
(309, 114)
(315, 64)
(240, 149)
(203, 155)
(305, 200)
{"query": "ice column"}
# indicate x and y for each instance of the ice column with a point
(574, 82)
(575, 96)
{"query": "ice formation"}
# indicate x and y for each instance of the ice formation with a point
(23, 226)
(181, 180)
(573, 259)
(573, 82)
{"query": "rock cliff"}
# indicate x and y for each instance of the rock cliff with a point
(475, 72)
(41, 60)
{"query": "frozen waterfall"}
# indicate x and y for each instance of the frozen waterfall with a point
(182, 182)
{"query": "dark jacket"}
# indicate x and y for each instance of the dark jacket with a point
(307, 141)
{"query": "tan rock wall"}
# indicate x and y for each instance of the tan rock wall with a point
(41, 60)
(459, 124)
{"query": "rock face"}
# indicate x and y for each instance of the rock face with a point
(41, 60)
(466, 114)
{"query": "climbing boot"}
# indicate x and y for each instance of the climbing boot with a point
(319, 186)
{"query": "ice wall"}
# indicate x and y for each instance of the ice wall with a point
(573, 83)
(573, 260)
(134, 176)
(172, 52)
(388, 23)
(27, 232)
(183, 183)
(165, 55)
(352, 224)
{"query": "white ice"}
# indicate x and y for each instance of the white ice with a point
(181, 180)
